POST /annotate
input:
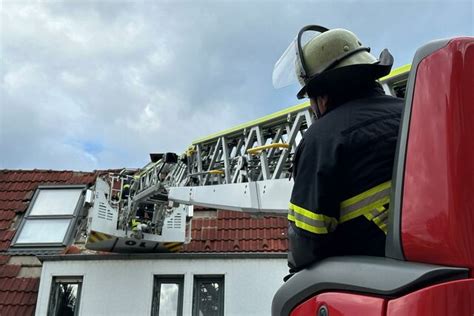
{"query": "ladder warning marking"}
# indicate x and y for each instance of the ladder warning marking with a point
(98, 237)
(173, 246)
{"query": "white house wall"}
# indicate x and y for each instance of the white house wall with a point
(125, 287)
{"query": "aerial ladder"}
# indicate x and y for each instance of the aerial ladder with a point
(246, 168)
(429, 263)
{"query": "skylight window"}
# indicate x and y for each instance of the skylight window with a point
(56, 202)
(51, 217)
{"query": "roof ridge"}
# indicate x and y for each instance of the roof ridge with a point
(43, 171)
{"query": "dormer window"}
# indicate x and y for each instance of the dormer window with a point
(51, 217)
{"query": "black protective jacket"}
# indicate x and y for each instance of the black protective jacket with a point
(342, 172)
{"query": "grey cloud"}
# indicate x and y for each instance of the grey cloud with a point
(100, 84)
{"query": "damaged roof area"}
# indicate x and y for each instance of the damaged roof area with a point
(238, 232)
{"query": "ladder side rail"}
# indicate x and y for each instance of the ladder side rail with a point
(249, 141)
(197, 157)
(288, 131)
(297, 123)
(213, 159)
(241, 159)
(226, 157)
(264, 172)
(276, 138)
(236, 156)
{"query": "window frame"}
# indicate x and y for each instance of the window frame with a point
(71, 227)
(159, 279)
(55, 280)
(198, 280)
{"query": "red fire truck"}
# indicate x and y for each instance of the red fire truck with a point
(429, 263)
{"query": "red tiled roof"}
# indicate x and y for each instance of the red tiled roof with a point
(238, 232)
(18, 295)
(227, 232)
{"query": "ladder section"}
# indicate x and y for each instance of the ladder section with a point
(256, 151)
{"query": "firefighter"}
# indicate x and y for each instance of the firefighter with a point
(343, 165)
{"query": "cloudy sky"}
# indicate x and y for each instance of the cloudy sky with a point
(100, 84)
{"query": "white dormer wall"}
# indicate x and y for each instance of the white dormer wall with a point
(125, 286)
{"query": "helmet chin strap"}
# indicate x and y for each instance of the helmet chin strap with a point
(316, 111)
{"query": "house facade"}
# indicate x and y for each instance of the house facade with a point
(233, 264)
(157, 284)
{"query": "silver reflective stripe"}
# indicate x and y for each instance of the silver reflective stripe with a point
(309, 221)
(365, 202)
(382, 217)
(379, 216)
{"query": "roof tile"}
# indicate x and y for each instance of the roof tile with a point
(4, 245)
(11, 205)
(30, 310)
(22, 284)
(4, 259)
(3, 297)
(15, 310)
(33, 285)
(5, 224)
(6, 235)
(6, 284)
(238, 232)
(9, 270)
(12, 195)
(16, 297)
(7, 215)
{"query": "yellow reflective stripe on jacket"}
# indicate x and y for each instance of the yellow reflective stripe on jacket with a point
(380, 218)
(312, 222)
(370, 204)
(365, 202)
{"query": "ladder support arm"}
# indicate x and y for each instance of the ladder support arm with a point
(267, 196)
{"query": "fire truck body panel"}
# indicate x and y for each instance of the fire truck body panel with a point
(438, 202)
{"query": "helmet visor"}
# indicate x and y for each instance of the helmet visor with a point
(284, 72)
(290, 68)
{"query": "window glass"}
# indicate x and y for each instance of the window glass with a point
(169, 299)
(48, 219)
(168, 296)
(43, 231)
(65, 297)
(56, 202)
(208, 296)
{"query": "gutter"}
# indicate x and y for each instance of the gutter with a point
(172, 256)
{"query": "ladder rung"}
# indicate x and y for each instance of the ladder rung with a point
(216, 171)
(258, 149)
